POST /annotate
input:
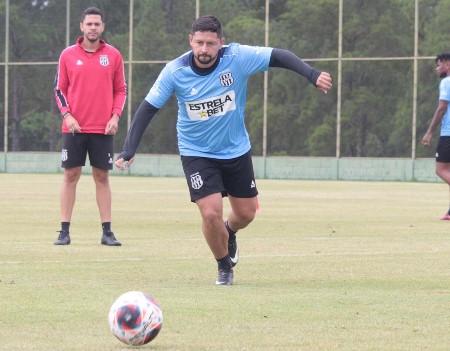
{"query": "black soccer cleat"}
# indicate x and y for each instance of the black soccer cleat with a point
(109, 239)
(63, 238)
(225, 277)
(233, 251)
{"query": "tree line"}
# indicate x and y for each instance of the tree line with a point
(377, 95)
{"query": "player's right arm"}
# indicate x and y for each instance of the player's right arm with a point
(444, 97)
(61, 85)
(158, 95)
(141, 120)
(437, 118)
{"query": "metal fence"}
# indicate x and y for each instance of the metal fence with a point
(380, 104)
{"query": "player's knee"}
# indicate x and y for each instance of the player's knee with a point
(71, 176)
(441, 173)
(210, 215)
(246, 217)
(100, 177)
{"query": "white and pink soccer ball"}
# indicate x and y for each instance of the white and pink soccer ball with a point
(135, 318)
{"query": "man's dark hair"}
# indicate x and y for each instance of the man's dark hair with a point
(92, 11)
(445, 56)
(207, 24)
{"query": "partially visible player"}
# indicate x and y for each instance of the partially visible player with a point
(442, 116)
(210, 83)
(90, 91)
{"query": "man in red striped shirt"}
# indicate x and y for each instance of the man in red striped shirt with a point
(90, 91)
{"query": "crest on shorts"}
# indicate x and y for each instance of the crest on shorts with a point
(104, 60)
(226, 79)
(64, 155)
(196, 181)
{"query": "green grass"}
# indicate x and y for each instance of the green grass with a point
(324, 266)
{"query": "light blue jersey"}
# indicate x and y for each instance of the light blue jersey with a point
(211, 107)
(444, 94)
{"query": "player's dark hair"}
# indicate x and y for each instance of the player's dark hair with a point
(207, 24)
(92, 11)
(445, 56)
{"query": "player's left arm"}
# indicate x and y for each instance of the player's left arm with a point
(288, 60)
(119, 87)
(119, 97)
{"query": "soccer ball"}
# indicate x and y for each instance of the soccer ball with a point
(135, 318)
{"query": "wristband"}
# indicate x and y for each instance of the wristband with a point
(65, 114)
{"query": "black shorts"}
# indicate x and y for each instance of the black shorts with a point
(76, 146)
(443, 150)
(206, 176)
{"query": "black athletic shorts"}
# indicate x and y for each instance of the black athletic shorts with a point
(206, 176)
(443, 150)
(75, 147)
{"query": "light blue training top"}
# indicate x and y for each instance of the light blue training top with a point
(211, 106)
(444, 94)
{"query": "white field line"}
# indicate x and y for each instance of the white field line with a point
(175, 258)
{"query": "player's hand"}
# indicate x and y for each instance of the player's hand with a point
(112, 126)
(72, 124)
(426, 140)
(122, 164)
(324, 82)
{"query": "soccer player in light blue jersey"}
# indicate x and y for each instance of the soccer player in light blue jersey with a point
(442, 116)
(210, 84)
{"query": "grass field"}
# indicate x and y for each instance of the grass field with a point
(324, 266)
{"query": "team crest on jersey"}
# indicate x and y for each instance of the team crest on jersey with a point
(104, 60)
(226, 79)
(196, 181)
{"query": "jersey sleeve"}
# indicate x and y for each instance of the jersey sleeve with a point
(61, 86)
(444, 90)
(120, 87)
(162, 89)
(254, 59)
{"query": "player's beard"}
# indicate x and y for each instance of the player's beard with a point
(93, 37)
(205, 59)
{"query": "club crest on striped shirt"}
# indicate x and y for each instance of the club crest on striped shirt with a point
(104, 60)
(226, 79)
